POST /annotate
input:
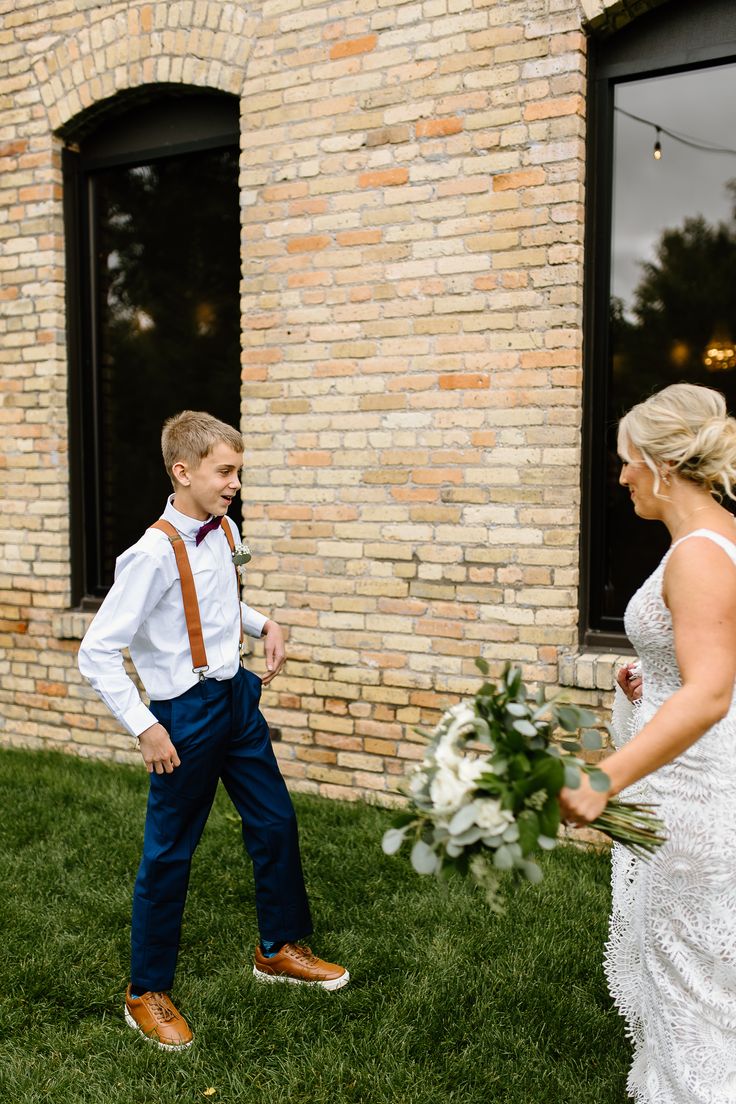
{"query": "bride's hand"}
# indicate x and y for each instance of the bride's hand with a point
(582, 805)
(630, 681)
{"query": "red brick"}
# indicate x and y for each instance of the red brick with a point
(308, 245)
(439, 128)
(464, 380)
(358, 237)
(383, 178)
(525, 178)
(351, 46)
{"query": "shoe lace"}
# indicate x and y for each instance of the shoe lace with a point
(161, 1007)
(304, 954)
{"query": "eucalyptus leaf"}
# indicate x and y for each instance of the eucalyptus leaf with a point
(547, 843)
(423, 858)
(464, 839)
(572, 776)
(567, 717)
(517, 709)
(482, 665)
(525, 728)
(533, 872)
(592, 740)
(503, 859)
(586, 719)
(482, 729)
(393, 839)
(462, 819)
(599, 780)
(570, 745)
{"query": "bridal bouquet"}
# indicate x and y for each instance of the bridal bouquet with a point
(485, 797)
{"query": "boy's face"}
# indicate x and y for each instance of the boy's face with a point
(210, 487)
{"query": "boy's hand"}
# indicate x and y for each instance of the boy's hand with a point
(159, 754)
(275, 650)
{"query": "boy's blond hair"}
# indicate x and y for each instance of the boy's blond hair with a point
(192, 435)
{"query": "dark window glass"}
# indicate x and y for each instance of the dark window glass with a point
(159, 331)
(664, 245)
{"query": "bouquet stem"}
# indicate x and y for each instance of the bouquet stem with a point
(634, 825)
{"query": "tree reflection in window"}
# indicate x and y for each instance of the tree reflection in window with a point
(672, 308)
(167, 253)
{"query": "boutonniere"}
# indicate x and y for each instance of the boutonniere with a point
(241, 556)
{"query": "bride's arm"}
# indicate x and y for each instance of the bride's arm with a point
(700, 590)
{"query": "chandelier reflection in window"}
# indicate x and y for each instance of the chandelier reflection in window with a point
(720, 353)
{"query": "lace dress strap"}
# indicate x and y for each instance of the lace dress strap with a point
(727, 545)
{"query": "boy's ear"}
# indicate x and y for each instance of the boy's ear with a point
(180, 473)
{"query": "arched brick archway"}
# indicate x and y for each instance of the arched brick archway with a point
(207, 44)
(609, 15)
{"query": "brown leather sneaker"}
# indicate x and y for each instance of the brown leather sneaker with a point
(296, 963)
(154, 1015)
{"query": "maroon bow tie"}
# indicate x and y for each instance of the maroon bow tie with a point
(208, 526)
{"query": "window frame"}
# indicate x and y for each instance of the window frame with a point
(670, 39)
(170, 139)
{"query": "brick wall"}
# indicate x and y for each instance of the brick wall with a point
(412, 193)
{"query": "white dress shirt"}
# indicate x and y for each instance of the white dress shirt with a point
(144, 611)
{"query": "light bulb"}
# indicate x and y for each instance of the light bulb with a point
(658, 148)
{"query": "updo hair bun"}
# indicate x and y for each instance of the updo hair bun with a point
(686, 428)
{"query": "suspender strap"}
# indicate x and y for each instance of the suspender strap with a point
(189, 595)
(230, 540)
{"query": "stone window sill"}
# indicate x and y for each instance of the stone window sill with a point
(72, 624)
(591, 670)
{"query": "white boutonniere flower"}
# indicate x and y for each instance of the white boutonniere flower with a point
(241, 556)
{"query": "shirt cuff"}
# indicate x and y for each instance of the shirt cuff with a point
(138, 719)
(253, 621)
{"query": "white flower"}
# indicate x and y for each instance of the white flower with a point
(472, 767)
(490, 816)
(447, 755)
(462, 719)
(417, 782)
(448, 791)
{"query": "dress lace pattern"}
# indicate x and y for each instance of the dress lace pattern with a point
(671, 954)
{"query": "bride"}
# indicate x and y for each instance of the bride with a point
(671, 955)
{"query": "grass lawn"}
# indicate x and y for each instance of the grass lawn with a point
(447, 1003)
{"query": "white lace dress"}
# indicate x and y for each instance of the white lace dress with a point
(671, 955)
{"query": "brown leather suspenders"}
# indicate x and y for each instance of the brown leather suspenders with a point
(189, 594)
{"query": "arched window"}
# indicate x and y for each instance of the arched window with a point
(153, 277)
(661, 251)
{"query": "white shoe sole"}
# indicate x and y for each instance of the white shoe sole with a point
(154, 1042)
(331, 984)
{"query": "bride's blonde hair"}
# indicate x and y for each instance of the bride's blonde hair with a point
(684, 429)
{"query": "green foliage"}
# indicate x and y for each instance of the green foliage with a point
(446, 1005)
(489, 784)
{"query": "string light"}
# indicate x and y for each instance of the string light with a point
(658, 147)
(683, 139)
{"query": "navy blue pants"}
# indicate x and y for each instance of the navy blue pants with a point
(219, 732)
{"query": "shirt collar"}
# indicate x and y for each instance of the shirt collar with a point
(187, 526)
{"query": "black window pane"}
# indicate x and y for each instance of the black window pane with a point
(165, 284)
(673, 274)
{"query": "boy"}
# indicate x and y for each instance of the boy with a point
(175, 604)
